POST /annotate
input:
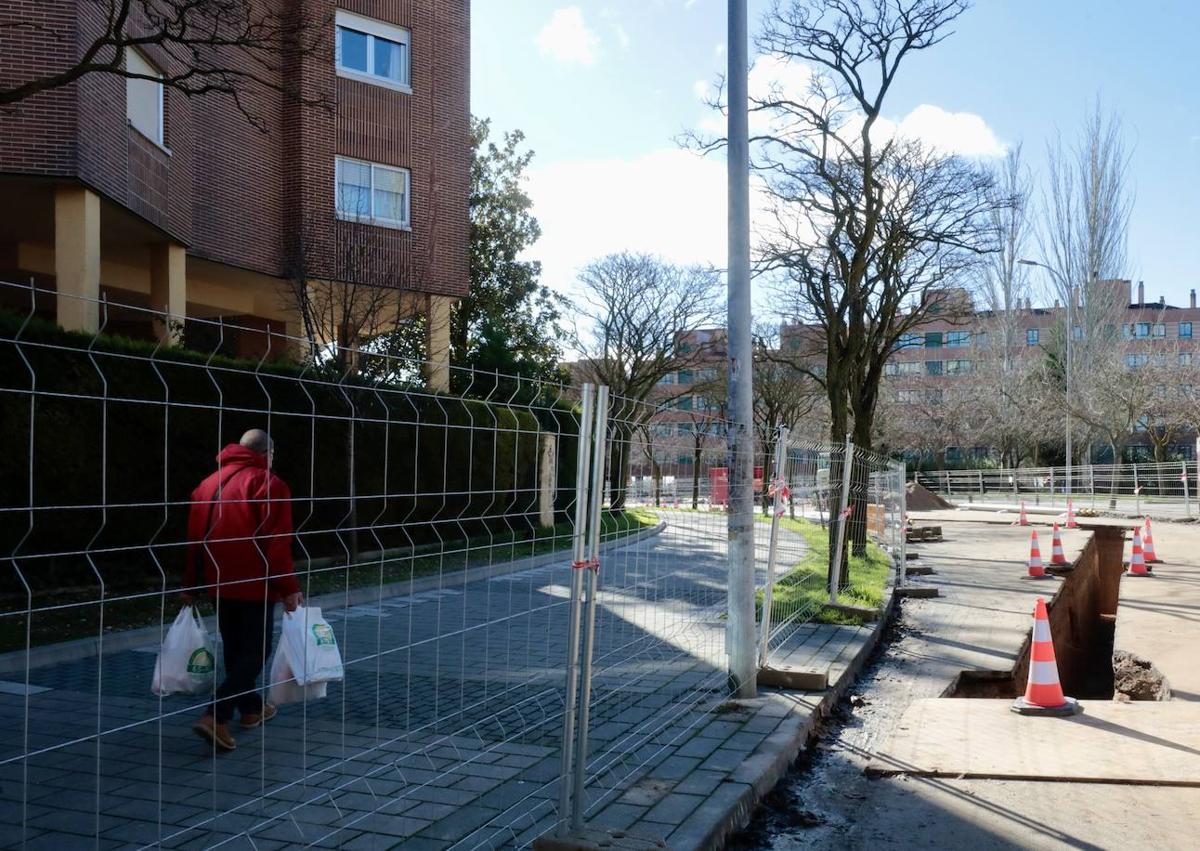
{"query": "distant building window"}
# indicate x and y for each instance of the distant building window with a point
(891, 368)
(910, 341)
(1032, 336)
(1185, 329)
(373, 51)
(1142, 329)
(933, 340)
(144, 98)
(1077, 332)
(372, 193)
(669, 378)
(1159, 360)
(1135, 361)
(933, 367)
(909, 368)
(958, 339)
(981, 340)
(685, 376)
(1160, 330)
(957, 367)
(1185, 358)
(908, 396)
(1127, 332)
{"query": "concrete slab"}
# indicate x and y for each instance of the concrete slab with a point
(1149, 743)
(1158, 616)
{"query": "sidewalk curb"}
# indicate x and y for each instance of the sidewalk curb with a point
(149, 636)
(711, 826)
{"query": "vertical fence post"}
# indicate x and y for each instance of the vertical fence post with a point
(836, 567)
(1187, 500)
(901, 570)
(1052, 486)
(579, 550)
(764, 632)
(589, 631)
(1092, 484)
(1137, 489)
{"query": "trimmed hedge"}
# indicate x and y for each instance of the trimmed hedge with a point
(120, 441)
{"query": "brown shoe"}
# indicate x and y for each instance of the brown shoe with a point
(208, 728)
(249, 722)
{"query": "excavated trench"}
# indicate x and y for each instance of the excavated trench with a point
(1083, 622)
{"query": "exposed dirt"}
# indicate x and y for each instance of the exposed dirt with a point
(1137, 678)
(919, 498)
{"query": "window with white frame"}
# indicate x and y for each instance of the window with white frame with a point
(1185, 358)
(910, 368)
(891, 368)
(958, 339)
(957, 367)
(1032, 336)
(372, 193)
(144, 97)
(373, 51)
(1160, 330)
(1185, 329)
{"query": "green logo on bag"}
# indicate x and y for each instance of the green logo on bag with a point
(200, 662)
(324, 635)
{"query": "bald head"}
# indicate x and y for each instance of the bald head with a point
(258, 441)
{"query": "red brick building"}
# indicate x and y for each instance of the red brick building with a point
(134, 192)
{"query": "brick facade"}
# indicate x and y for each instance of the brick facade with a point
(263, 199)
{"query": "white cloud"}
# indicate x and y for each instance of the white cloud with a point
(567, 39)
(669, 202)
(623, 38)
(701, 89)
(957, 132)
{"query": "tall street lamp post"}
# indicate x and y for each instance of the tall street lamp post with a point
(1069, 292)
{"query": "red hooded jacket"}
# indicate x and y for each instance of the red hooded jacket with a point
(240, 529)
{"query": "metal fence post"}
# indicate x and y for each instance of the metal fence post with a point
(836, 566)
(764, 632)
(902, 569)
(589, 631)
(579, 549)
(1187, 500)
(1137, 490)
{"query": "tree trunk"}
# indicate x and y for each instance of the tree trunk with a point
(656, 474)
(697, 449)
(619, 467)
(839, 424)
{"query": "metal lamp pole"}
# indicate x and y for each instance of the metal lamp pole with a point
(1070, 296)
(740, 644)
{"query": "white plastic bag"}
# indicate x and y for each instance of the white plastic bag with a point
(283, 686)
(185, 663)
(311, 647)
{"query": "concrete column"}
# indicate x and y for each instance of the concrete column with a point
(437, 342)
(168, 291)
(77, 258)
(547, 480)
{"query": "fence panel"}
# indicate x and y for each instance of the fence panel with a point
(433, 531)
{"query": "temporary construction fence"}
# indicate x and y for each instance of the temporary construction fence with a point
(857, 521)
(1099, 486)
(521, 642)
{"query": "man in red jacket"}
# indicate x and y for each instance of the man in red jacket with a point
(240, 537)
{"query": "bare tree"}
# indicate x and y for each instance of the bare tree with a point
(638, 320)
(200, 47)
(1085, 225)
(349, 290)
(784, 393)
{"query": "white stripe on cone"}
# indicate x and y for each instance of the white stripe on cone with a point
(1041, 630)
(1043, 673)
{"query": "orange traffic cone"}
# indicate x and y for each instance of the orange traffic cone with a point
(1037, 570)
(1137, 561)
(1022, 520)
(1148, 546)
(1057, 556)
(1043, 693)
(1071, 524)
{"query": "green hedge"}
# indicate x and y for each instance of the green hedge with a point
(111, 428)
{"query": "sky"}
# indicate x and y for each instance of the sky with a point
(603, 89)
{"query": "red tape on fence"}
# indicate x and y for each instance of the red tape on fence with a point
(587, 564)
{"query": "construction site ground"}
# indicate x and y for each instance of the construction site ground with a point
(980, 622)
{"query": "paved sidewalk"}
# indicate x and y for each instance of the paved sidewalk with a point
(445, 733)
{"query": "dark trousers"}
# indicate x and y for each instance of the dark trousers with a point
(246, 631)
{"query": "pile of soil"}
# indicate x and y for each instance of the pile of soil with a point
(921, 499)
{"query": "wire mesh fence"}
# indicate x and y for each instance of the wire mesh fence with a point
(526, 585)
